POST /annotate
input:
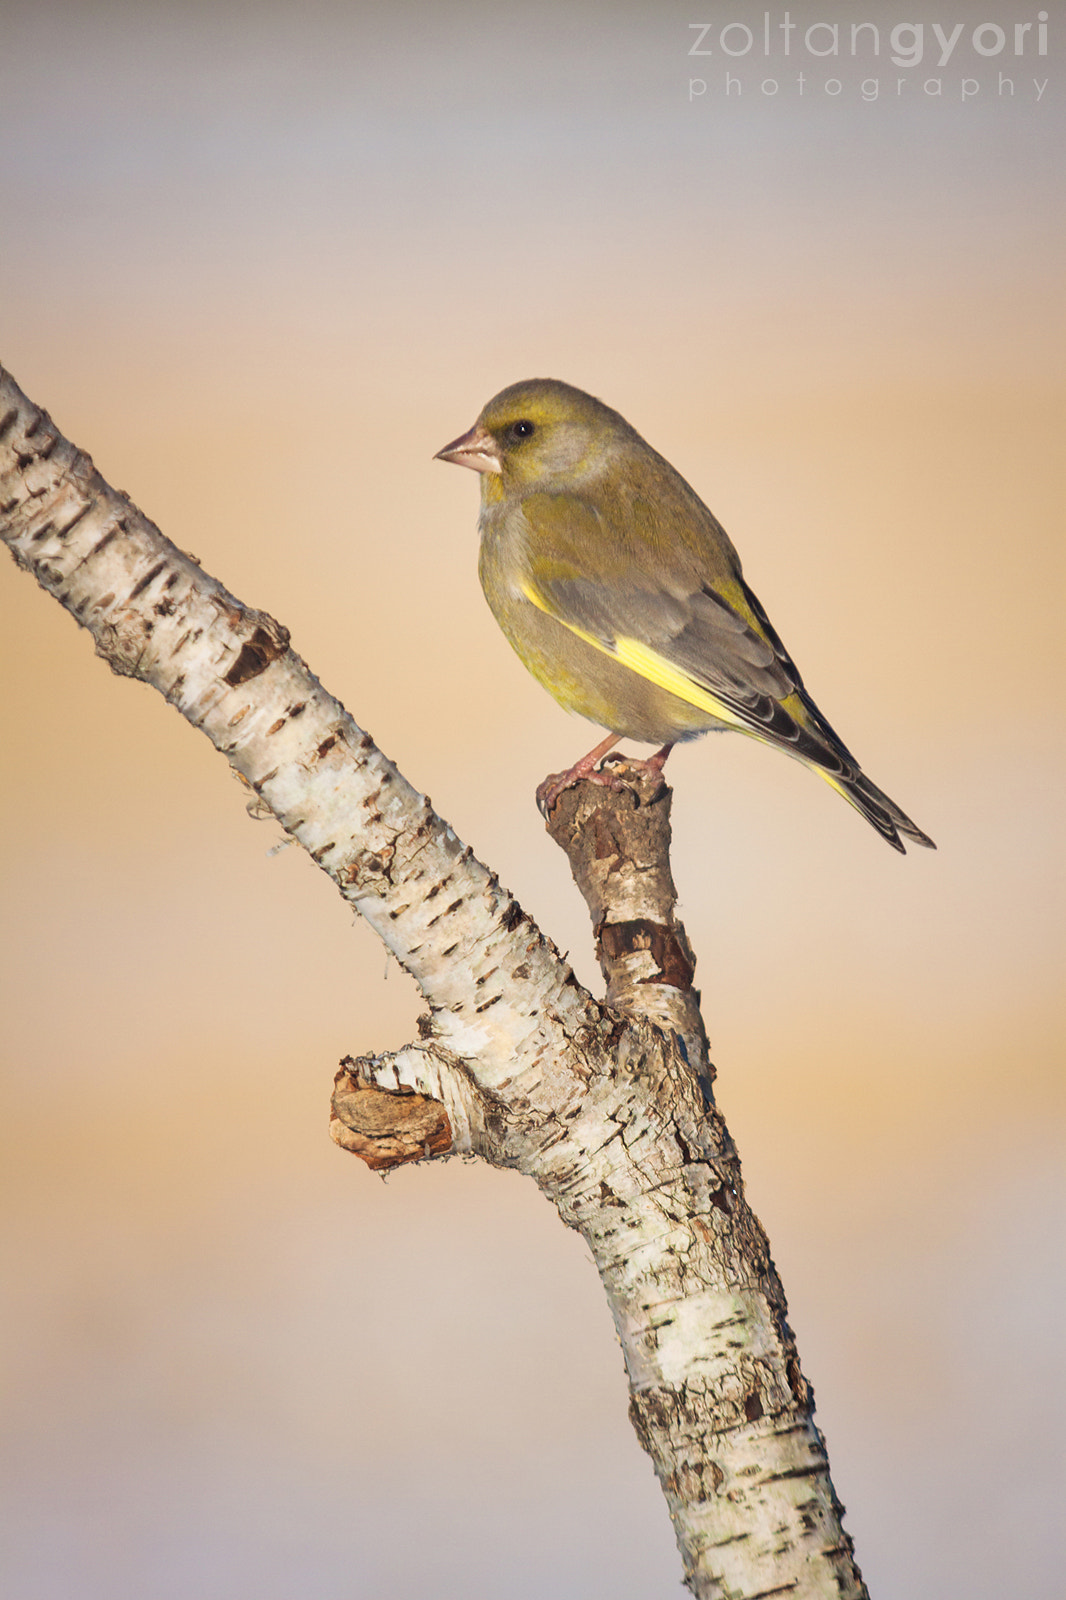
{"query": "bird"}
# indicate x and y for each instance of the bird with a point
(623, 595)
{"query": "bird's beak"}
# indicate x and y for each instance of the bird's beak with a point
(476, 449)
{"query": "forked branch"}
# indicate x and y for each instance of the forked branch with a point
(608, 1107)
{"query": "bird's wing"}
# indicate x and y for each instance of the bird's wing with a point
(659, 588)
(691, 626)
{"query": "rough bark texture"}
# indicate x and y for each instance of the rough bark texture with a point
(618, 845)
(608, 1107)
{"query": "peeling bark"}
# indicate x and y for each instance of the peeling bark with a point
(607, 1106)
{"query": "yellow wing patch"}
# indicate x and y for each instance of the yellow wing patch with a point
(649, 664)
(541, 604)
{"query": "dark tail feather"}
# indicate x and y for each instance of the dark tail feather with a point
(880, 812)
(803, 732)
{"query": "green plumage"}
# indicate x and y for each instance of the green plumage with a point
(623, 595)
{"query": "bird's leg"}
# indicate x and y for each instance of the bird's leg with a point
(657, 762)
(554, 784)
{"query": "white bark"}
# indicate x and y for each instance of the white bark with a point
(608, 1108)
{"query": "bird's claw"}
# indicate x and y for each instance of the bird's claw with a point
(556, 783)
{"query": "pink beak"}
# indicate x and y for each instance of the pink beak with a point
(476, 449)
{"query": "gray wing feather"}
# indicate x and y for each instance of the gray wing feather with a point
(697, 632)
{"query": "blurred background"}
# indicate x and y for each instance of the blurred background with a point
(262, 262)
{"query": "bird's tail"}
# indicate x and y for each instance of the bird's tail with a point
(816, 744)
(880, 812)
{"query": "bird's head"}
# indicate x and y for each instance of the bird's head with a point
(538, 435)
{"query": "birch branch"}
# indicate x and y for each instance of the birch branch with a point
(608, 1107)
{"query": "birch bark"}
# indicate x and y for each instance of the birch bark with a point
(607, 1106)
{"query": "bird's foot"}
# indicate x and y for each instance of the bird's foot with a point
(549, 791)
(555, 783)
(654, 763)
(587, 771)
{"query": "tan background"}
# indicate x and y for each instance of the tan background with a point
(262, 263)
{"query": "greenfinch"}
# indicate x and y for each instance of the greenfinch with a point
(624, 597)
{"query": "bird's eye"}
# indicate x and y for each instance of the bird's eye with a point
(522, 430)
